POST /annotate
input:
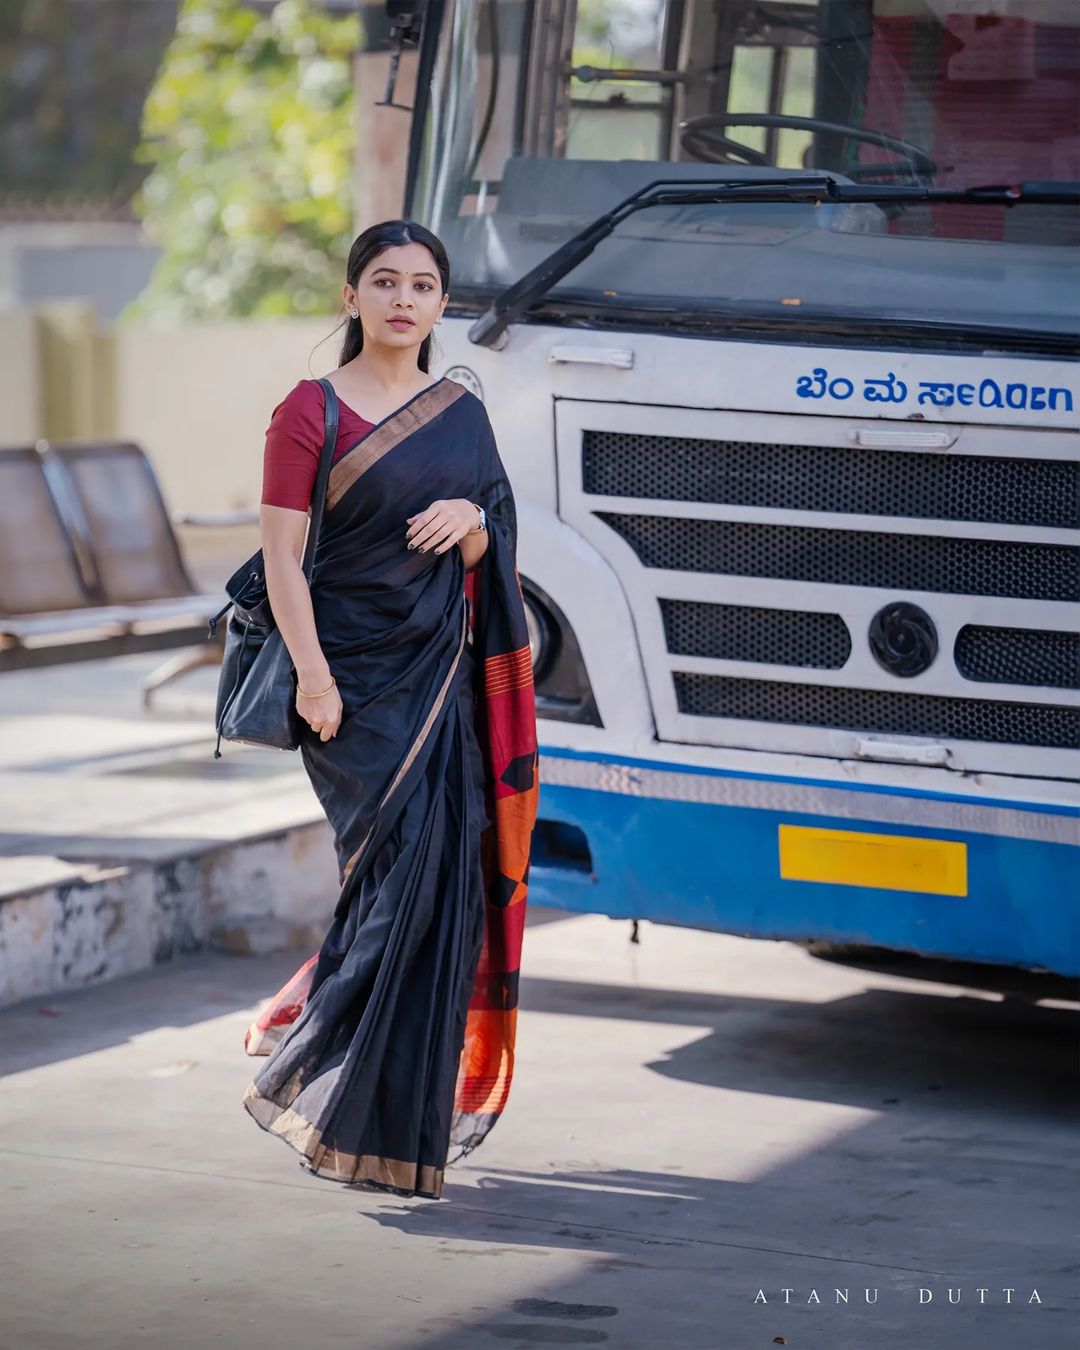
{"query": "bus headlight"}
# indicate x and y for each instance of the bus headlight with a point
(563, 691)
(541, 640)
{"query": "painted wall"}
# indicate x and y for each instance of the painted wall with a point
(198, 398)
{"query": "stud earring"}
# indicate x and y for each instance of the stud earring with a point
(354, 313)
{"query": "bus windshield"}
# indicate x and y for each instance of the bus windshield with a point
(543, 114)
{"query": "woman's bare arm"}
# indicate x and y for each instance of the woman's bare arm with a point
(473, 547)
(282, 532)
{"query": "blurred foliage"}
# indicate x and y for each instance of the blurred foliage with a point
(250, 132)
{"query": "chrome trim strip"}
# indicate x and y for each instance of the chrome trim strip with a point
(806, 799)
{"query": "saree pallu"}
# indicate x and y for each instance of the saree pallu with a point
(394, 1043)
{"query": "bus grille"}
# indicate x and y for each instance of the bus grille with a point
(742, 633)
(853, 557)
(831, 478)
(1019, 656)
(876, 710)
(805, 593)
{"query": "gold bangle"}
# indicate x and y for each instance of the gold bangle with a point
(330, 686)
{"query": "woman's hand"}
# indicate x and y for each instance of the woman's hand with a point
(322, 713)
(441, 525)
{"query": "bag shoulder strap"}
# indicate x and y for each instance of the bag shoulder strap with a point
(253, 568)
(322, 478)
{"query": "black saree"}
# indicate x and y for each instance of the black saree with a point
(395, 1041)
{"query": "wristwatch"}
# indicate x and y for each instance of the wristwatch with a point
(483, 518)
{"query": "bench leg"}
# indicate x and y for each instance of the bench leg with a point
(192, 658)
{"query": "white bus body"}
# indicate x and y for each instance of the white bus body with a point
(797, 484)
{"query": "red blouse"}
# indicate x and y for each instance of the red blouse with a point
(294, 440)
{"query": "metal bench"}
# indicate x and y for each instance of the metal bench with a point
(90, 564)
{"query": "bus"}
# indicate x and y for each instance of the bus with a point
(774, 309)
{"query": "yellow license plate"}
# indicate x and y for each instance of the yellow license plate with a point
(890, 862)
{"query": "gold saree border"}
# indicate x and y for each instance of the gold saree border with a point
(350, 1168)
(371, 448)
(259, 1042)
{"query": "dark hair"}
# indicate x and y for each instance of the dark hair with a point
(366, 247)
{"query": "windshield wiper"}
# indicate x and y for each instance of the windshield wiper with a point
(816, 188)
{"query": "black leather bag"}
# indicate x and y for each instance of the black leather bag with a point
(256, 697)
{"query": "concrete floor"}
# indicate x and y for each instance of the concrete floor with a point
(694, 1118)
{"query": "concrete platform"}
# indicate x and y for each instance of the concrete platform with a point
(694, 1119)
(123, 842)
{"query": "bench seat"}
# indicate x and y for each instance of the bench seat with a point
(198, 608)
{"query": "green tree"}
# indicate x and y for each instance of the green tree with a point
(249, 129)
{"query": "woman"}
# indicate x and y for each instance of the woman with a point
(396, 1040)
